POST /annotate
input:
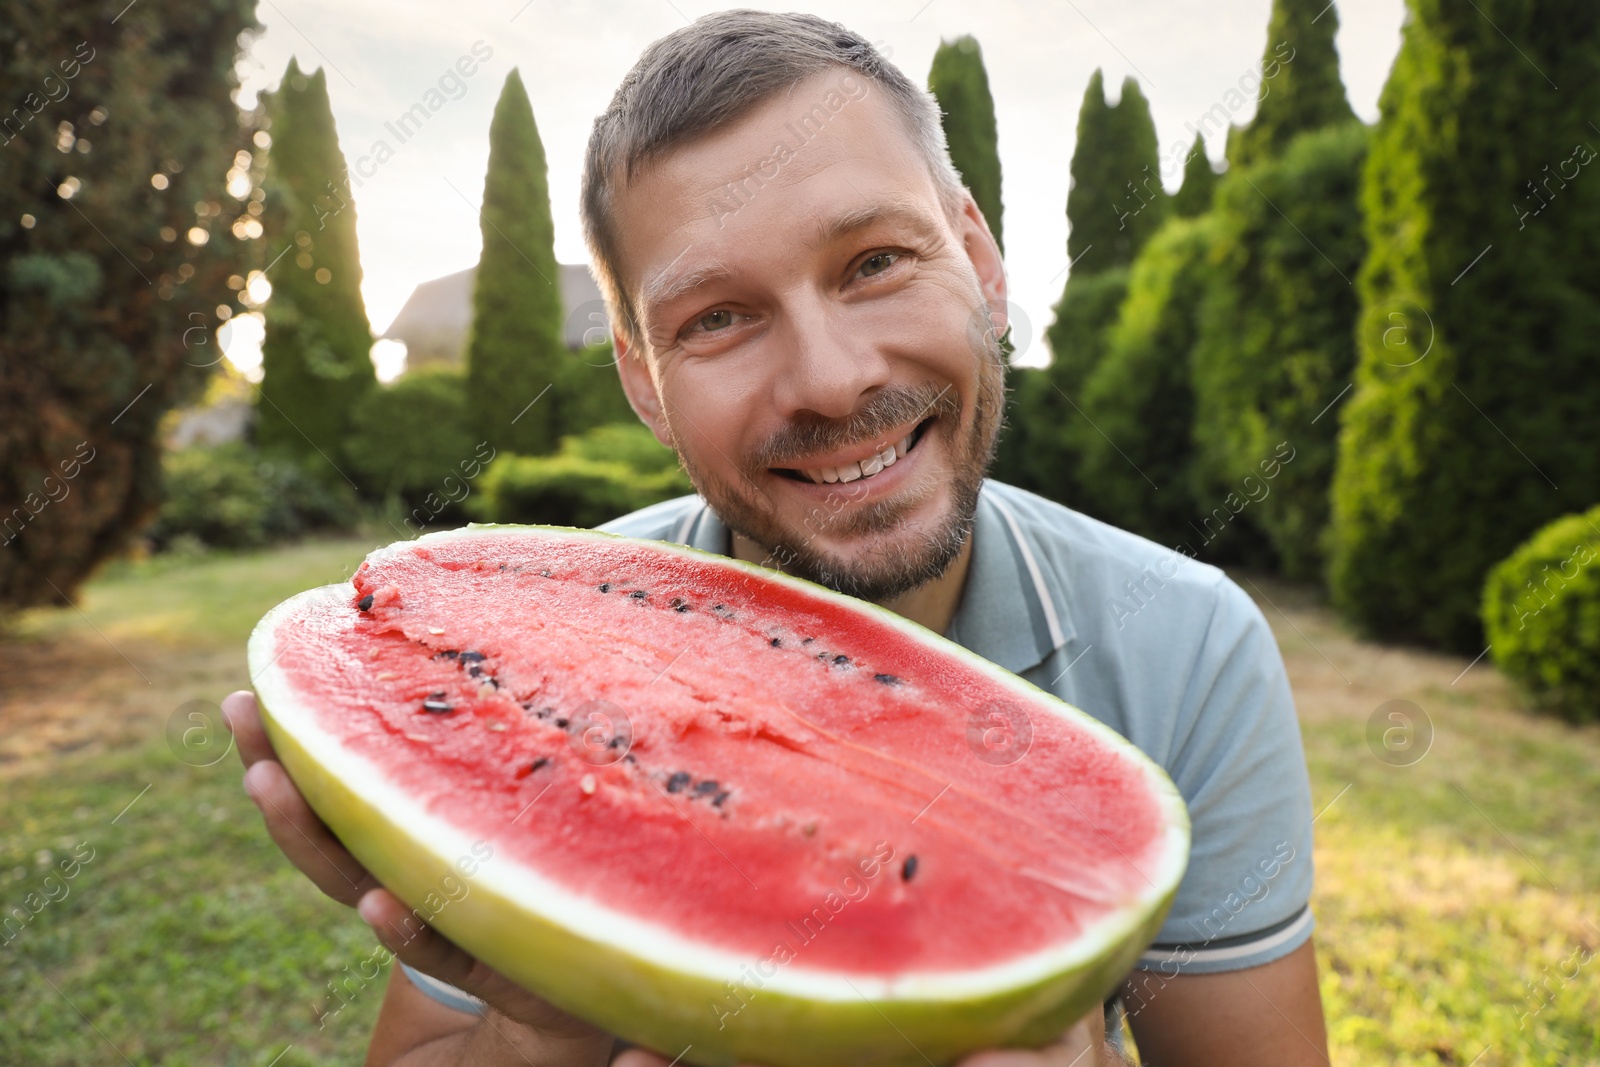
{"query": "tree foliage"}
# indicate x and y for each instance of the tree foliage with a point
(1040, 447)
(316, 359)
(1136, 458)
(961, 85)
(1304, 91)
(516, 353)
(1193, 197)
(112, 131)
(1115, 201)
(1277, 342)
(1473, 421)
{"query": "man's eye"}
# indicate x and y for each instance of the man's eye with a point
(877, 264)
(712, 321)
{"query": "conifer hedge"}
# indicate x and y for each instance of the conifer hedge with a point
(1473, 421)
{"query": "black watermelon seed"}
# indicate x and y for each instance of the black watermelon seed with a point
(474, 670)
(808, 640)
(471, 657)
(908, 869)
(605, 587)
(676, 783)
(540, 762)
(716, 801)
(448, 653)
(705, 787)
(679, 604)
(639, 594)
(436, 704)
(365, 603)
(777, 642)
(886, 679)
(561, 723)
(841, 658)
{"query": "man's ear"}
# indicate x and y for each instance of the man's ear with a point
(984, 253)
(640, 386)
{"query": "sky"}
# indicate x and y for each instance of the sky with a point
(417, 212)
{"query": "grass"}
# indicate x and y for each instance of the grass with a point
(1456, 898)
(187, 938)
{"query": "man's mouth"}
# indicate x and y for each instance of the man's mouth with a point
(862, 467)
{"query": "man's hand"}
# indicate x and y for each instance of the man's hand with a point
(1073, 1050)
(311, 846)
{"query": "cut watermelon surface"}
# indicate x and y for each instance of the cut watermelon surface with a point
(718, 811)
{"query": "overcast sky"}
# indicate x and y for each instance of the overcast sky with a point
(417, 213)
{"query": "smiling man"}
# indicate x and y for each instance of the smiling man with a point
(806, 303)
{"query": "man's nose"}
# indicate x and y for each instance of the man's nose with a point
(827, 361)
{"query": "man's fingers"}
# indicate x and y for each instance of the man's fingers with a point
(303, 837)
(637, 1057)
(1075, 1049)
(419, 945)
(413, 941)
(244, 719)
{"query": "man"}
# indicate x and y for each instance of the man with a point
(805, 303)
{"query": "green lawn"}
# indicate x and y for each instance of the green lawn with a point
(1456, 897)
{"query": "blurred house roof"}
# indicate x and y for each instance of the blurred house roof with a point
(437, 316)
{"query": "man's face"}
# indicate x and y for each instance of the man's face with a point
(816, 336)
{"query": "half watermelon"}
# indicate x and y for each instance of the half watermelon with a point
(721, 812)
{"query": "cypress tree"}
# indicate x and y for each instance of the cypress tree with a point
(1135, 470)
(116, 243)
(961, 85)
(1277, 341)
(316, 359)
(1473, 422)
(516, 351)
(1300, 85)
(1114, 203)
(1199, 183)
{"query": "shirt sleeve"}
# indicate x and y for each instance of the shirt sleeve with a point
(1238, 760)
(443, 992)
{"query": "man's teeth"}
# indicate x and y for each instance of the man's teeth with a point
(866, 468)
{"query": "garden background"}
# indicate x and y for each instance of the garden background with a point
(1339, 341)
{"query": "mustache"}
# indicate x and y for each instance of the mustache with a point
(888, 410)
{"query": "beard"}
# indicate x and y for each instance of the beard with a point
(895, 565)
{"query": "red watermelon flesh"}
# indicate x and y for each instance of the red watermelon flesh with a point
(668, 743)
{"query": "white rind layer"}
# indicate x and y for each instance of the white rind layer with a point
(628, 935)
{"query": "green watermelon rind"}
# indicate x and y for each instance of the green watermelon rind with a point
(656, 989)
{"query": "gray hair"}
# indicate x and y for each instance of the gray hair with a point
(714, 72)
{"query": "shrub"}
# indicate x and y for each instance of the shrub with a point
(1541, 613)
(594, 477)
(406, 438)
(232, 496)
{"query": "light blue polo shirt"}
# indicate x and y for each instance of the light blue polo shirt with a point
(1165, 650)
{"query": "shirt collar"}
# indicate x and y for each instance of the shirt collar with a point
(1006, 613)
